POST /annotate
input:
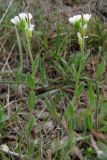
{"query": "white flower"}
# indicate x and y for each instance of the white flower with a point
(23, 22)
(74, 19)
(25, 16)
(80, 39)
(79, 36)
(29, 16)
(22, 16)
(81, 23)
(15, 20)
(77, 18)
(31, 27)
(86, 17)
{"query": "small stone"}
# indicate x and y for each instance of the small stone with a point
(49, 126)
(4, 148)
(42, 115)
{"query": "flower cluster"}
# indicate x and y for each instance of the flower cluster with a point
(23, 22)
(80, 22)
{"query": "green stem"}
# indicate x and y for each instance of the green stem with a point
(29, 48)
(83, 45)
(79, 71)
(29, 138)
(20, 49)
(97, 104)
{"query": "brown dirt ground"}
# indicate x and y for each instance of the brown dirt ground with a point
(62, 7)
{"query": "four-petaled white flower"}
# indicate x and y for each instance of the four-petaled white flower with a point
(23, 22)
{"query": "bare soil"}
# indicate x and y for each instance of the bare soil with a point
(62, 7)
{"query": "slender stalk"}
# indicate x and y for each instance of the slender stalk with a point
(82, 47)
(29, 48)
(20, 49)
(97, 105)
(29, 137)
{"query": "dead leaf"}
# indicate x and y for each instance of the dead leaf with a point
(98, 134)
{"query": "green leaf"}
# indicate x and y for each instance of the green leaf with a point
(52, 110)
(42, 71)
(100, 69)
(31, 100)
(30, 125)
(70, 118)
(30, 81)
(91, 96)
(3, 116)
(88, 119)
(80, 90)
(31, 149)
(103, 109)
(19, 76)
(35, 64)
